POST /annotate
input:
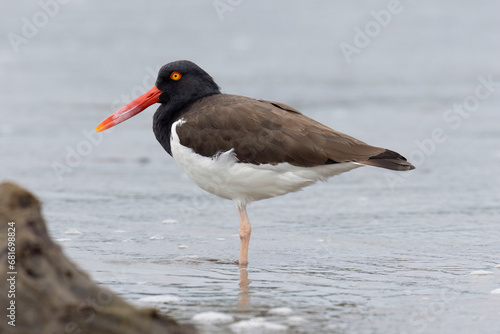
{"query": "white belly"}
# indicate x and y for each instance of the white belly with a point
(243, 183)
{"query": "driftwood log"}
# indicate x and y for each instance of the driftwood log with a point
(42, 291)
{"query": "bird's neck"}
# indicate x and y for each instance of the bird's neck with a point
(163, 119)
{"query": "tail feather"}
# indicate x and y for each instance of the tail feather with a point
(389, 160)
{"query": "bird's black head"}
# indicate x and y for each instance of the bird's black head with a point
(182, 82)
(179, 83)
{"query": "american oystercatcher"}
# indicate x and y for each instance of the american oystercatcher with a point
(244, 149)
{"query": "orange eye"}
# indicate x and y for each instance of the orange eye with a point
(175, 76)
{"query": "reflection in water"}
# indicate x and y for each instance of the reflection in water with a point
(244, 295)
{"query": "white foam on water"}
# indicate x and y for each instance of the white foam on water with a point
(497, 266)
(496, 291)
(63, 240)
(156, 237)
(73, 232)
(160, 299)
(481, 272)
(257, 326)
(119, 231)
(183, 246)
(295, 320)
(170, 221)
(209, 318)
(280, 311)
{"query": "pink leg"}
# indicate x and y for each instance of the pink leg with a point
(245, 231)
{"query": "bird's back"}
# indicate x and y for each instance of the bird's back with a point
(265, 132)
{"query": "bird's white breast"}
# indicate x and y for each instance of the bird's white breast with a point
(223, 176)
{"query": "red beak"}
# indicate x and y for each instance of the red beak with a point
(131, 109)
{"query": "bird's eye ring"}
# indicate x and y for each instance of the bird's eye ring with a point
(175, 76)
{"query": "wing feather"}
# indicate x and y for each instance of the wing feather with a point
(265, 132)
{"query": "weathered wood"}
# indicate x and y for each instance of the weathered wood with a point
(52, 295)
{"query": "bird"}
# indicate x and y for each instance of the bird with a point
(245, 149)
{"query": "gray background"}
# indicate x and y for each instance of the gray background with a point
(370, 251)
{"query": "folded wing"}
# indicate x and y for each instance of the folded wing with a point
(265, 132)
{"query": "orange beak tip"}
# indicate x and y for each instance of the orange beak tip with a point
(101, 127)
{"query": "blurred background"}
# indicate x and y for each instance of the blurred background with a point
(369, 251)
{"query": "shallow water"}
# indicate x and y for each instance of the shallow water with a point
(369, 251)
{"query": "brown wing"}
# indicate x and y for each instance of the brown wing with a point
(262, 132)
